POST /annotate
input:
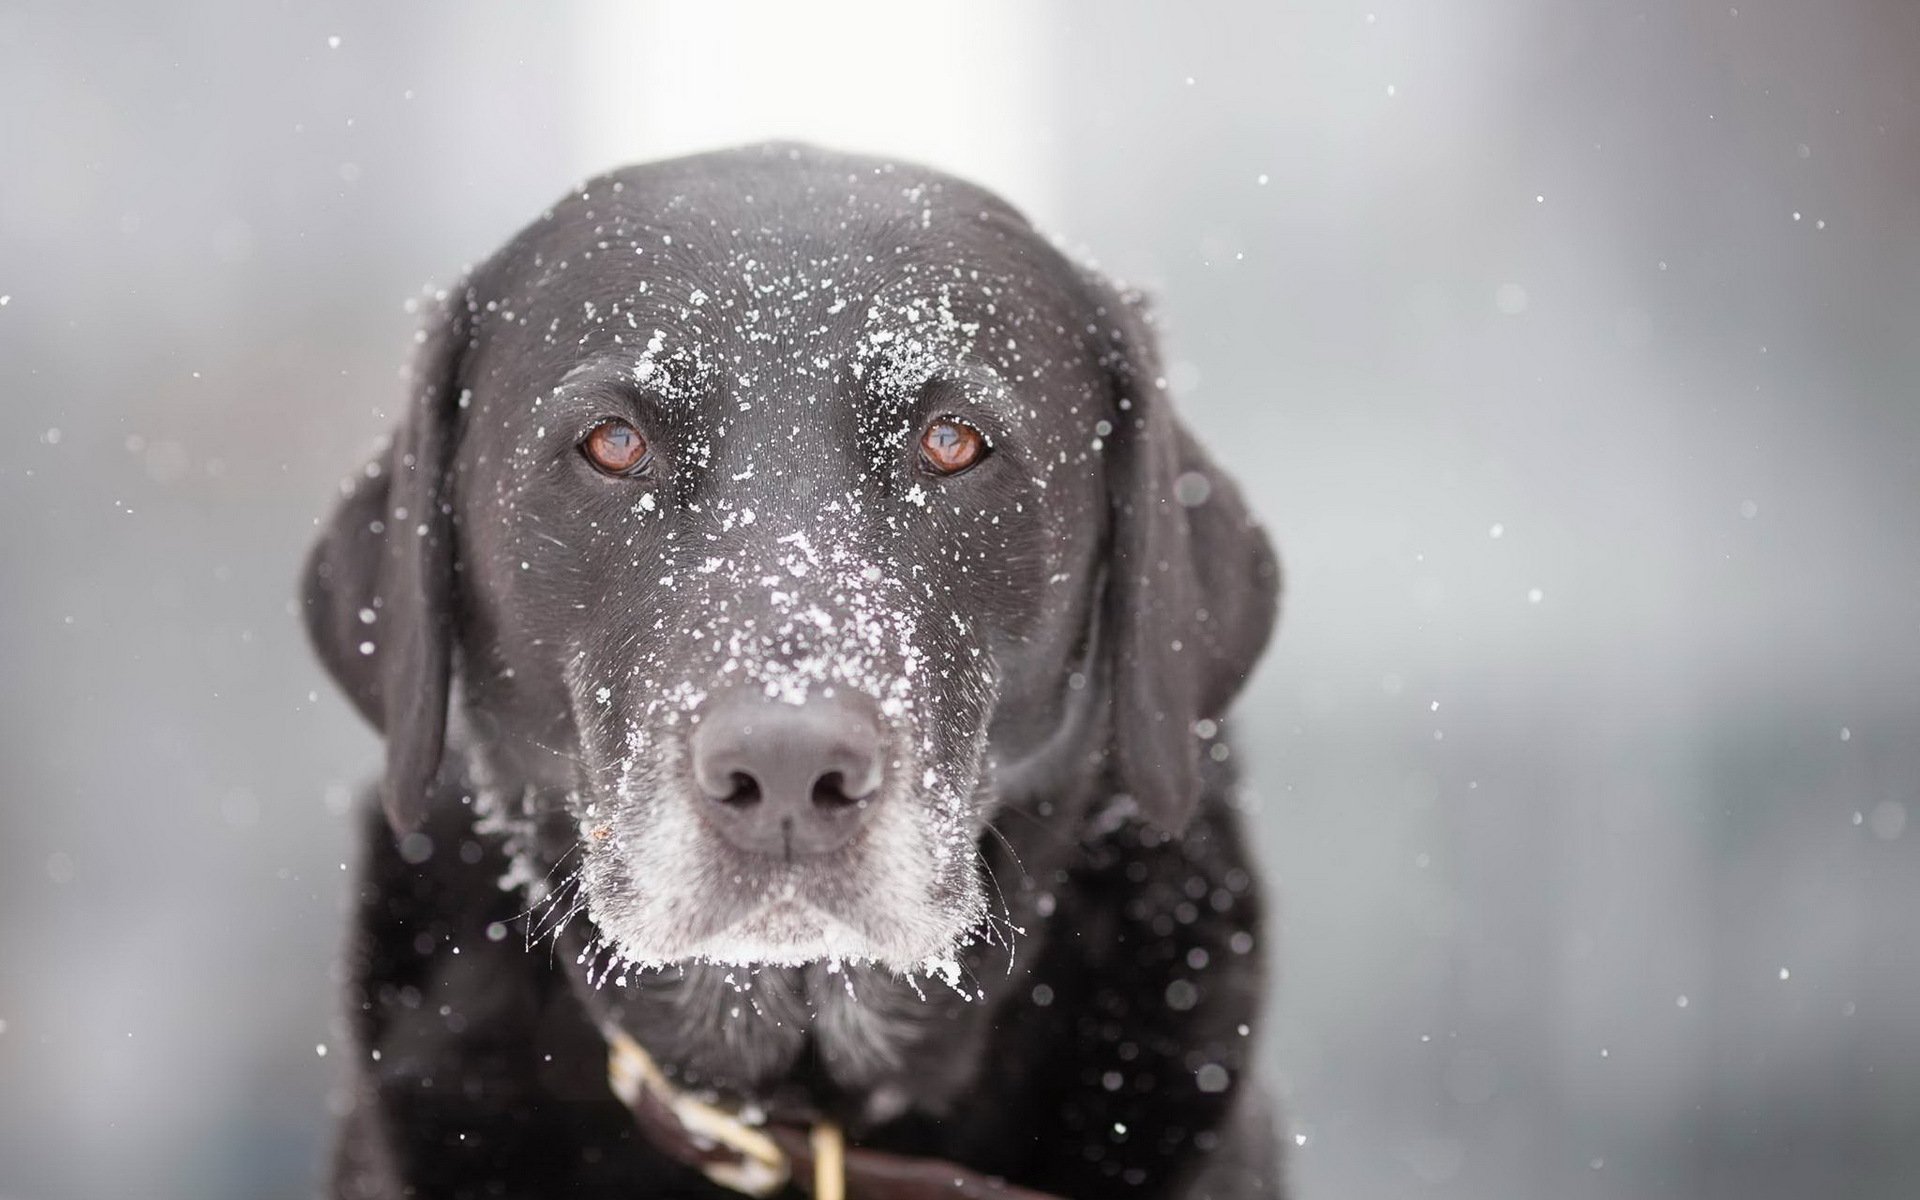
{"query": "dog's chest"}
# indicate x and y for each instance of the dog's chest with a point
(897, 1052)
(865, 1045)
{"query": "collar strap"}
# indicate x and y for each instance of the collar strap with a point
(720, 1145)
(759, 1162)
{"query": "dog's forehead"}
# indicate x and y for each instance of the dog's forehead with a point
(759, 266)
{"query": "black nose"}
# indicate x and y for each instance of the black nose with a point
(793, 780)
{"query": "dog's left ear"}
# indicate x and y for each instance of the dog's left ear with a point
(1194, 586)
(380, 581)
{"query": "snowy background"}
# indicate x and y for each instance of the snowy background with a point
(1570, 349)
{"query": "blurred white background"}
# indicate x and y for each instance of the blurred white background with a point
(1568, 349)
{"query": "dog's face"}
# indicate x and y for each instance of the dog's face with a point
(827, 456)
(780, 515)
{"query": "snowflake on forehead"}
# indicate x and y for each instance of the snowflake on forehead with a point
(910, 341)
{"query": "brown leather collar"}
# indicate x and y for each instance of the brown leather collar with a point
(761, 1160)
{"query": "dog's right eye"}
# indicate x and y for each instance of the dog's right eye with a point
(949, 446)
(615, 448)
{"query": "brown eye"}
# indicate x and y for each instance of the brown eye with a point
(949, 447)
(615, 447)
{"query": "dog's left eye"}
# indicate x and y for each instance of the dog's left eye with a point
(615, 447)
(950, 446)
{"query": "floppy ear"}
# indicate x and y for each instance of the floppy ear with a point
(379, 583)
(1194, 586)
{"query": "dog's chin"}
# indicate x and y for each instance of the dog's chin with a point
(791, 929)
(791, 933)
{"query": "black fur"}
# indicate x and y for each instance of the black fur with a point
(1060, 630)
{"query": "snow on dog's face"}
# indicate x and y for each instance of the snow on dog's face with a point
(774, 516)
(737, 455)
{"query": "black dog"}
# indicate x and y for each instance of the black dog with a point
(799, 626)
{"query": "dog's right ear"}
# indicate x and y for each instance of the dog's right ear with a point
(379, 583)
(1195, 585)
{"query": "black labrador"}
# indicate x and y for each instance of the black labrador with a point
(799, 626)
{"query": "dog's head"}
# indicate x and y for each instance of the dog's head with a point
(774, 516)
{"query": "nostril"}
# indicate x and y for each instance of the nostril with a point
(745, 793)
(830, 791)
